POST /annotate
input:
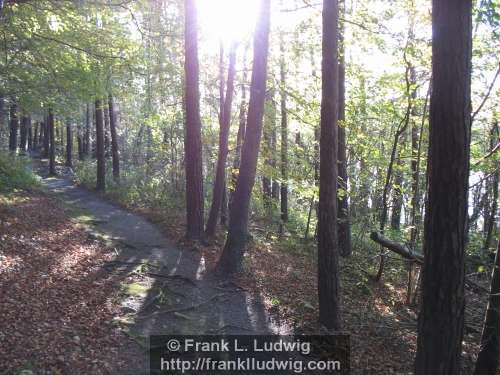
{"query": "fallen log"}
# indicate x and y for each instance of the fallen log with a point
(397, 247)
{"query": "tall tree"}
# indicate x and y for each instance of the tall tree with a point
(86, 142)
(52, 143)
(114, 139)
(69, 144)
(23, 143)
(343, 218)
(232, 255)
(328, 268)
(46, 138)
(30, 133)
(99, 135)
(441, 319)
(14, 124)
(192, 141)
(225, 123)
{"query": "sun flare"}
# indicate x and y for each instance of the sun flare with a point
(227, 20)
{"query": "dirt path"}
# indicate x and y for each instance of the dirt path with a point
(167, 290)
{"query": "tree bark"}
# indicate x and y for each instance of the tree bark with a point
(328, 268)
(232, 255)
(14, 124)
(69, 145)
(441, 319)
(489, 353)
(52, 143)
(192, 141)
(343, 218)
(99, 134)
(220, 175)
(114, 139)
(401, 249)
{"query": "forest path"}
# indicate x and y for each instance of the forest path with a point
(166, 290)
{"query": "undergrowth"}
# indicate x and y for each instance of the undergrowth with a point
(16, 174)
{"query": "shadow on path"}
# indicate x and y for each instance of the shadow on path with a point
(167, 290)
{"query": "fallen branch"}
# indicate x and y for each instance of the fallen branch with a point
(398, 248)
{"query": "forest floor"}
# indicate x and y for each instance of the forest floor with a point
(89, 281)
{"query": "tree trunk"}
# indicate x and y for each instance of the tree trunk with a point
(489, 353)
(79, 141)
(441, 319)
(46, 138)
(35, 137)
(232, 255)
(99, 135)
(328, 268)
(107, 141)
(343, 218)
(14, 124)
(30, 134)
(192, 141)
(69, 145)
(225, 123)
(23, 143)
(114, 139)
(284, 138)
(86, 148)
(267, 152)
(241, 131)
(52, 143)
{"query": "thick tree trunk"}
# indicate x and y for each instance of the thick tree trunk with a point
(52, 143)
(489, 353)
(232, 255)
(441, 319)
(328, 252)
(14, 124)
(192, 141)
(99, 135)
(114, 139)
(23, 143)
(220, 174)
(343, 218)
(284, 138)
(69, 145)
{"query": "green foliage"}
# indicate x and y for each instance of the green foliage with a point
(16, 173)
